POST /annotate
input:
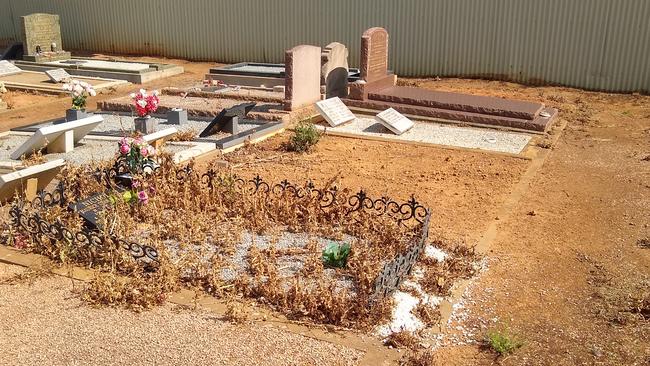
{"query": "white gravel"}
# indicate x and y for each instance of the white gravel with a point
(87, 151)
(439, 134)
(46, 324)
(121, 125)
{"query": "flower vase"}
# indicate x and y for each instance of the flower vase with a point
(145, 125)
(74, 114)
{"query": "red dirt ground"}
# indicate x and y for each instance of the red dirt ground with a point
(567, 261)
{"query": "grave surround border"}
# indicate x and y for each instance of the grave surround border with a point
(409, 214)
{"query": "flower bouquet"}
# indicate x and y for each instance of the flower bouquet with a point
(136, 155)
(79, 91)
(145, 104)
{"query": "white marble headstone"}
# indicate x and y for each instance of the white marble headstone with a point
(334, 111)
(57, 75)
(394, 121)
(12, 182)
(58, 138)
(7, 68)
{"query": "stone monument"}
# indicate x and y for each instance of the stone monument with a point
(373, 64)
(302, 77)
(334, 72)
(42, 38)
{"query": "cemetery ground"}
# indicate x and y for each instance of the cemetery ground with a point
(563, 237)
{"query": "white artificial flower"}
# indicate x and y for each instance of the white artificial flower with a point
(143, 92)
(92, 92)
(78, 89)
(142, 103)
(66, 87)
(132, 95)
(75, 82)
(75, 94)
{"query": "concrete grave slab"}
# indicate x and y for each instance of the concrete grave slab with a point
(334, 111)
(302, 81)
(58, 138)
(7, 68)
(58, 75)
(39, 81)
(394, 121)
(29, 180)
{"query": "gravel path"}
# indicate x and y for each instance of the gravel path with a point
(45, 324)
(433, 133)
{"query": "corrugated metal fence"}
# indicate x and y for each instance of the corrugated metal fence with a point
(592, 44)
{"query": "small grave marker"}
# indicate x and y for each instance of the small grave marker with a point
(394, 121)
(57, 75)
(334, 111)
(7, 68)
(92, 208)
(227, 120)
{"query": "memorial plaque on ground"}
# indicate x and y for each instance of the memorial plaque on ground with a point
(92, 209)
(220, 122)
(7, 68)
(394, 121)
(334, 111)
(57, 75)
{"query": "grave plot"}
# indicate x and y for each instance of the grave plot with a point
(390, 125)
(325, 254)
(258, 123)
(15, 78)
(257, 75)
(43, 51)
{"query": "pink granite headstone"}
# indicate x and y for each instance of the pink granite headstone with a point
(373, 65)
(374, 54)
(302, 77)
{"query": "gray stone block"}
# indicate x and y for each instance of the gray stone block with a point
(177, 117)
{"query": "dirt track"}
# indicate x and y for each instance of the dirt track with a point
(565, 262)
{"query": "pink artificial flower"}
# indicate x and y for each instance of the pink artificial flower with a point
(144, 151)
(143, 197)
(135, 184)
(125, 149)
(152, 191)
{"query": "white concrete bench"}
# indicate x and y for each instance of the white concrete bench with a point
(26, 182)
(58, 138)
(157, 139)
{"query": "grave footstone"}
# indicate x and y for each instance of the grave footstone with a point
(394, 121)
(334, 111)
(302, 77)
(7, 68)
(57, 75)
(335, 70)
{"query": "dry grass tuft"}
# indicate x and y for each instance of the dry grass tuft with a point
(402, 339)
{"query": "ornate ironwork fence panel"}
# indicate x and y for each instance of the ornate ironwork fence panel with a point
(410, 214)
